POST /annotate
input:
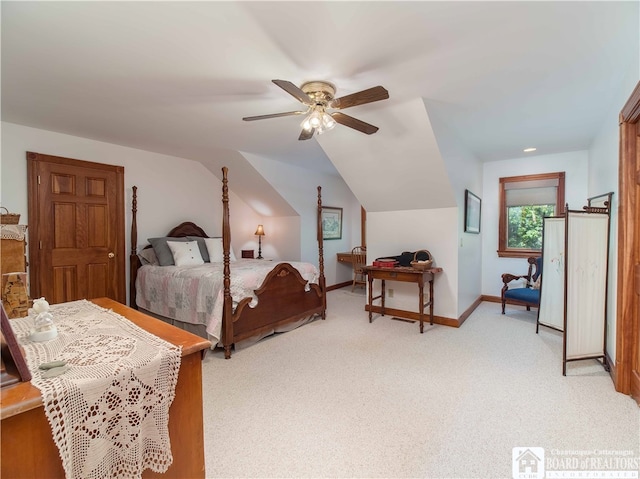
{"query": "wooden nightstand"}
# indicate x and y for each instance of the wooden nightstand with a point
(247, 253)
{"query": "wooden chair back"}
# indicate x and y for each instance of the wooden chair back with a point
(359, 261)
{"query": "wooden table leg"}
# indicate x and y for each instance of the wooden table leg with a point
(421, 306)
(431, 301)
(383, 294)
(370, 278)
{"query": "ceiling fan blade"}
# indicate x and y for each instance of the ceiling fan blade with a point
(376, 93)
(354, 123)
(306, 134)
(273, 115)
(294, 91)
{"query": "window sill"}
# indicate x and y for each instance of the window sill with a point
(519, 253)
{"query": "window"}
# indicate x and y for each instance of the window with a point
(524, 202)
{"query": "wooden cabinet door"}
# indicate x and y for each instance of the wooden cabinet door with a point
(76, 224)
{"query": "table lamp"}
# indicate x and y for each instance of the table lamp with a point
(260, 233)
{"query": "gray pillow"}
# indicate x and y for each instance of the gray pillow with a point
(161, 248)
(203, 247)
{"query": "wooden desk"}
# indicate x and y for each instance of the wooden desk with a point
(407, 275)
(27, 448)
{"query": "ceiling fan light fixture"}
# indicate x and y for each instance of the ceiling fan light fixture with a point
(315, 119)
(317, 96)
(328, 122)
(318, 120)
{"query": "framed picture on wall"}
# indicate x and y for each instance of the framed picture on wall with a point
(331, 223)
(472, 210)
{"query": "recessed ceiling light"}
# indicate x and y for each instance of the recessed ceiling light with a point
(529, 150)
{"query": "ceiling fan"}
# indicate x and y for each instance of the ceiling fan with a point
(318, 96)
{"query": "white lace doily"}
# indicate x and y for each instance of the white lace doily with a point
(109, 413)
(14, 232)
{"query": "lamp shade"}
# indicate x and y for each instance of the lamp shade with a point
(259, 231)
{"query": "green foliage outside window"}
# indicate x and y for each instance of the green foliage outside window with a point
(524, 229)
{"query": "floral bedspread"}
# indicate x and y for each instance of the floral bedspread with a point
(195, 294)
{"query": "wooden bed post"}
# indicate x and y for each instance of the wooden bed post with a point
(133, 257)
(227, 308)
(321, 279)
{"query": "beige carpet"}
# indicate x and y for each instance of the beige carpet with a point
(345, 398)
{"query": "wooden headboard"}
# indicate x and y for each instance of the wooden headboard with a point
(186, 228)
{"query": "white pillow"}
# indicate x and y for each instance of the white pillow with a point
(185, 253)
(214, 247)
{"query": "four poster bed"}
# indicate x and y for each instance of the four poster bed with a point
(225, 300)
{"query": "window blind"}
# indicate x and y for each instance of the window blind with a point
(531, 196)
(535, 192)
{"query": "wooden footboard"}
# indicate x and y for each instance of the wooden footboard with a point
(281, 299)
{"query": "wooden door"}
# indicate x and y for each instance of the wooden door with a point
(635, 385)
(76, 224)
(627, 365)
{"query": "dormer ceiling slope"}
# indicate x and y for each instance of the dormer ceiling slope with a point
(399, 168)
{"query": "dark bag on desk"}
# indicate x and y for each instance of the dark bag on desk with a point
(407, 257)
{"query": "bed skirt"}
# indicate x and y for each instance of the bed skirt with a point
(200, 329)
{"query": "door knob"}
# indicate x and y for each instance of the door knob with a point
(111, 255)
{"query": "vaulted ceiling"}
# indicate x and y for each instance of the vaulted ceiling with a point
(177, 77)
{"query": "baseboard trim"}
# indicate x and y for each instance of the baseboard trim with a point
(339, 285)
(491, 299)
(498, 299)
(469, 310)
(613, 371)
(414, 316)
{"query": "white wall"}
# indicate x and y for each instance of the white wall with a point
(392, 232)
(603, 158)
(170, 189)
(574, 164)
(464, 171)
(281, 240)
(299, 187)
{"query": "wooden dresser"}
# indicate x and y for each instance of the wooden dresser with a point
(27, 446)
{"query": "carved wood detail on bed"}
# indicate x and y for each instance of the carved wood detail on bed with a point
(282, 284)
(187, 229)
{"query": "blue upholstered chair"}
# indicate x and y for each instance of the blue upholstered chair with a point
(523, 295)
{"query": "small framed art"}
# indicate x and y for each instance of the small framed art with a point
(331, 223)
(472, 210)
